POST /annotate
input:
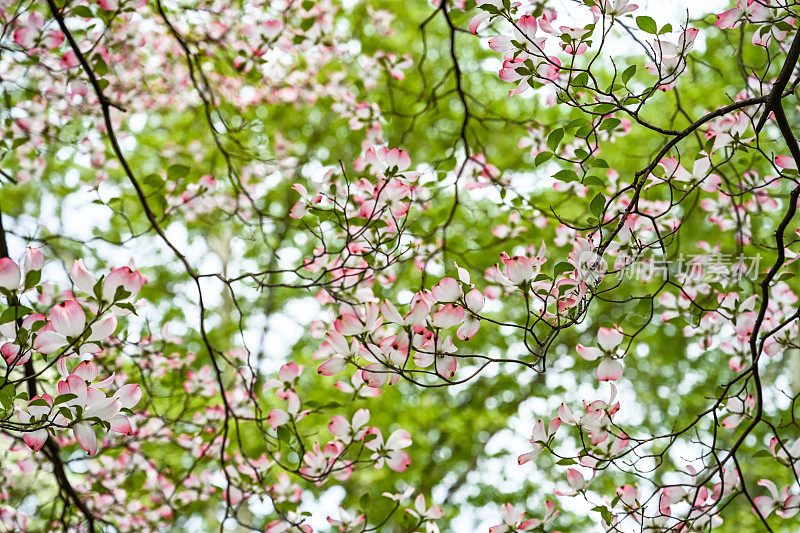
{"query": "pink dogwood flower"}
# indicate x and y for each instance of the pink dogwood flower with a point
(783, 504)
(391, 452)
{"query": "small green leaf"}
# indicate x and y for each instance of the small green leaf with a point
(580, 153)
(7, 395)
(609, 124)
(32, 278)
(678, 321)
(153, 181)
(604, 109)
(121, 294)
(593, 181)
(562, 268)
(542, 157)
(98, 288)
(100, 67)
(82, 11)
(127, 306)
(14, 312)
(628, 73)
(448, 164)
(647, 24)
(581, 80)
(575, 124)
(597, 205)
(284, 435)
(175, 172)
(306, 24)
(605, 513)
(61, 398)
(566, 175)
(554, 138)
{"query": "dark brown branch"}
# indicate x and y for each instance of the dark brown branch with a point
(780, 83)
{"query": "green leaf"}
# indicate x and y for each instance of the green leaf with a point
(609, 124)
(678, 321)
(647, 24)
(121, 293)
(127, 306)
(542, 157)
(7, 395)
(562, 268)
(605, 513)
(14, 312)
(306, 23)
(581, 80)
(554, 138)
(82, 11)
(98, 288)
(153, 181)
(628, 73)
(448, 164)
(604, 109)
(666, 28)
(565, 461)
(593, 181)
(566, 175)
(597, 205)
(284, 435)
(100, 67)
(175, 172)
(576, 123)
(61, 398)
(32, 278)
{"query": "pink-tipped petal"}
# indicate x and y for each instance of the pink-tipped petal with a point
(609, 370)
(68, 318)
(129, 395)
(10, 274)
(81, 277)
(35, 439)
(84, 433)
